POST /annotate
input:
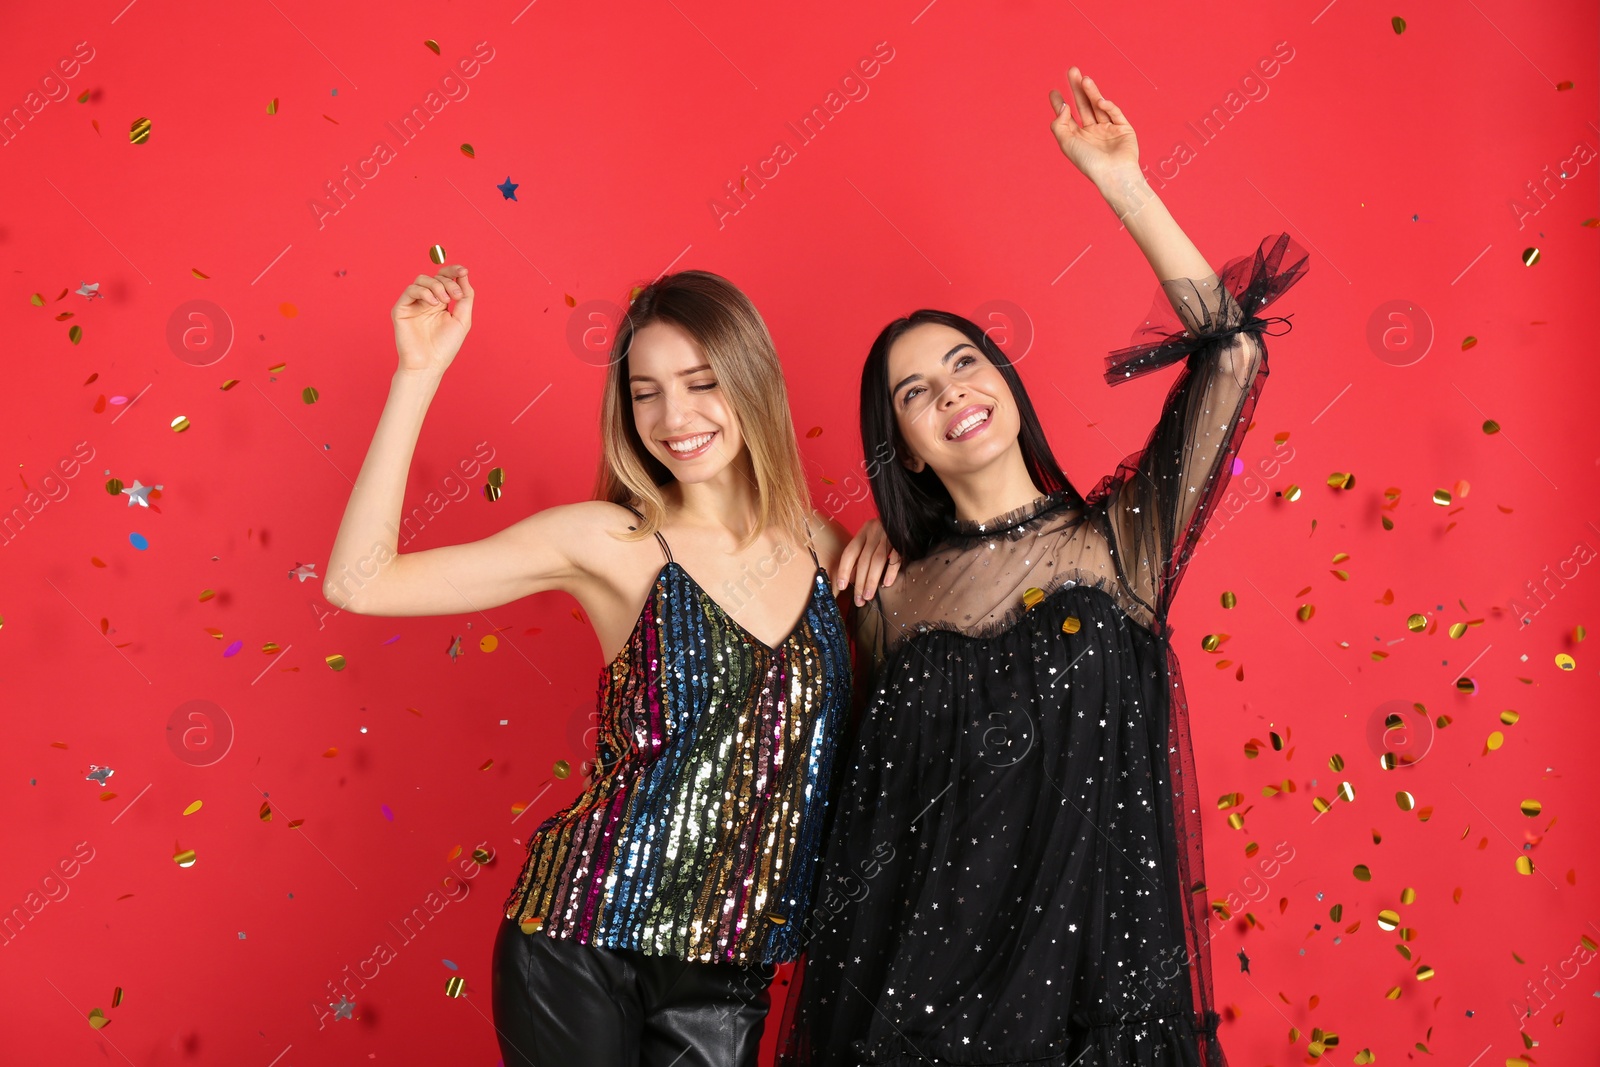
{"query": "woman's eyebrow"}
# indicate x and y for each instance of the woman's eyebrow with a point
(646, 378)
(908, 379)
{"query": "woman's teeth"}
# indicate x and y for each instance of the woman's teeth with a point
(690, 444)
(967, 423)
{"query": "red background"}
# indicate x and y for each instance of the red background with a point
(1398, 160)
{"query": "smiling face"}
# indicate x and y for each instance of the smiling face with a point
(679, 410)
(953, 408)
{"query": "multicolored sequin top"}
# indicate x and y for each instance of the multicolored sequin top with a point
(698, 836)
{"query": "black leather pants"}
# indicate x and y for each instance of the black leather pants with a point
(561, 1004)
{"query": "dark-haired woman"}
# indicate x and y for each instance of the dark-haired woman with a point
(650, 912)
(1013, 873)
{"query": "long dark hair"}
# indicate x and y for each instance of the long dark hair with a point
(913, 506)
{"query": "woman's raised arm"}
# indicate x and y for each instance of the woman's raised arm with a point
(366, 574)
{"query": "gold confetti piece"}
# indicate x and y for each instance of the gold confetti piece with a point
(486, 765)
(1509, 717)
(1336, 762)
(97, 1018)
(293, 823)
(532, 925)
(562, 768)
(1321, 806)
(1467, 342)
(1457, 629)
(481, 856)
(1228, 599)
(467, 151)
(1362, 873)
(272, 106)
(1292, 493)
(436, 253)
(1305, 611)
(309, 394)
(1405, 800)
(1565, 662)
(1579, 633)
(139, 132)
(114, 486)
(1417, 623)
(1229, 800)
(1441, 497)
(1343, 576)
(265, 812)
(1388, 920)
(331, 753)
(1524, 865)
(196, 272)
(454, 986)
(276, 368)
(1340, 480)
(1530, 808)
(1210, 642)
(270, 647)
(1466, 685)
(180, 424)
(571, 302)
(335, 661)
(1398, 23)
(192, 808)
(1032, 596)
(184, 857)
(75, 334)
(229, 384)
(815, 431)
(1347, 792)
(433, 46)
(206, 594)
(491, 493)
(1495, 740)
(1071, 624)
(497, 477)
(488, 643)
(1364, 1057)
(116, 997)
(1530, 256)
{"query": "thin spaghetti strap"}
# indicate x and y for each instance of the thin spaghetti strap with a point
(809, 549)
(662, 541)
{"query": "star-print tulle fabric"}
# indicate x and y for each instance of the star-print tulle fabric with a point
(1013, 871)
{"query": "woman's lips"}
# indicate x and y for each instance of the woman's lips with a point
(698, 443)
(972, 421)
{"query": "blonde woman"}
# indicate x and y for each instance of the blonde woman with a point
(650, 913)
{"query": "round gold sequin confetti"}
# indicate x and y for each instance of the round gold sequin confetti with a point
(1292, 493)
(1305, 611)
(454, 986)
(1530, 808)
(1490, 426)
(1565, 662)
(1530, 256)
(1228, 599)
(192, 808)
(1210, 642)
(1524, 865)
(562, 768)
(467, 151)
(1509, 717)
(1032, 595)
(180, 424)
(1441, 497)
(97, 1018)
(436, 253)
(481, 856)
(1417, 623)
(1336, 763)
(1466, 685)
(184, 857)
(432, 46)
(139, 132)
(491, 493)
(309, 394)
(1362, 873)
(1071, 625)
(532, 925)
(1495, 740)
(114, 486)
(1457, 629)
(1347, 792)
(1467, 342)
(272, 106)
(1398, 23)
(1342, 480)
(497, 477)
(1388, 919)
(1424, 972)
(488, 643)
(1405, 800)
(335, 661)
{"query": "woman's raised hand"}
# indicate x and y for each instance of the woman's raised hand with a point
(866, 559)
(1103, 140)
(427, 331)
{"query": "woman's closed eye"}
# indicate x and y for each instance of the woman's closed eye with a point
(699, 387)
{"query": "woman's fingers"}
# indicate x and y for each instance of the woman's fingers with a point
(1096, 101)
(847, 560)
(1079, 97)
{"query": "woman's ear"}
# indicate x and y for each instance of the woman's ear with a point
(913, 463)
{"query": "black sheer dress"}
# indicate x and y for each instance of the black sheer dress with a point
(1013, 870)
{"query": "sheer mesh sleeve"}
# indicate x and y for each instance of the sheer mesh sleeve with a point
(1156, 503)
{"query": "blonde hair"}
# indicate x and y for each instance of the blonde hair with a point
(733, 338)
